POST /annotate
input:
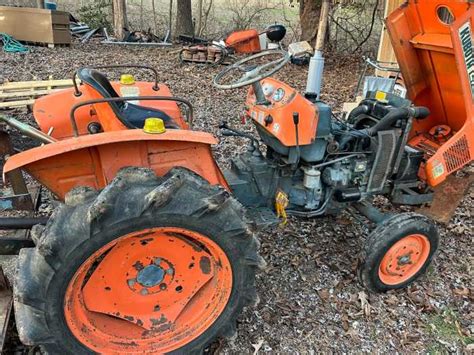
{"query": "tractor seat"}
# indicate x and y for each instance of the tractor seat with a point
(131, 115)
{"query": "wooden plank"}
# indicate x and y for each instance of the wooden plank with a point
(385, 52)
(19, 85)
(26, 94)
(15, 104)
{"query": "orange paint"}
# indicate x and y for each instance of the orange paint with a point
(246, 41)
(431, 59)
(93, 160)
(52, 111)
(404, 259)
(144, 297)
(281, 112)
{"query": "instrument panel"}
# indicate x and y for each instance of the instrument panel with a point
(277, 115)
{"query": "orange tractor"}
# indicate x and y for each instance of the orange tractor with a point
(153, 248)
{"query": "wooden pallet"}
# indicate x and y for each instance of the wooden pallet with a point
(23, 93)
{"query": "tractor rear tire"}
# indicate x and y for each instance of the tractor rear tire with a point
(104, 256)
(398, 251)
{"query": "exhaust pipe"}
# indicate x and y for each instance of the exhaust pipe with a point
(316, 64)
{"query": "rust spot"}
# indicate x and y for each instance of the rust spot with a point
(205, 265)
(156, 308)
(144, 234)
(146, 241)
(129, 318)
(139, 322)
(138, 266)
(123, 343)
(163, 327)
(185, 239)
(156, 322)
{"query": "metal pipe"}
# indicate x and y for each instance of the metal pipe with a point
(370, 212)
(309, 214)
(72, 117)
(335, 160)
(21, 222)
(316, 64)
(27, 129)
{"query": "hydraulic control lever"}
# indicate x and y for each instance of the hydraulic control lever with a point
(232, 132)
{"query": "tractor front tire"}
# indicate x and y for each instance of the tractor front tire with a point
(397, 252)
(147, 265)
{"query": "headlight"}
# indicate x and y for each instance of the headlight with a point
(279, 95)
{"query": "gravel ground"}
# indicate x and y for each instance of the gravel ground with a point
(310, 299)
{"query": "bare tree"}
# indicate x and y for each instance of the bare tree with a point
(141, 15)
(246, 12)
(200, 15)
(309, 18)
(184, 18)
(119, 9)
(202, 24)
(154, 16)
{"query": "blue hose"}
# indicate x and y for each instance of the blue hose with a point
(11, 45)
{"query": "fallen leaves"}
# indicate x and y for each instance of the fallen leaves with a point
(364, 303)
(257, 346)
(310, 295)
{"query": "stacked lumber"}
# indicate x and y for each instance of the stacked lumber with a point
(23, 93)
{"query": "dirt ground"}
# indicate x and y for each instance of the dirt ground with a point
(310, 298)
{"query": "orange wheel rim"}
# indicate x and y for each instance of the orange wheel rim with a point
(404, 259)
(153, 290)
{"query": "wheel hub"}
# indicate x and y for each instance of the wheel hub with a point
(404, 259)
(150, 276)
(155, 277)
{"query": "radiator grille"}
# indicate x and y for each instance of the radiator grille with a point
(383, 161)
(457, 155)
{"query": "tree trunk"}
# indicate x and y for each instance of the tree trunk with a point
(184, 18)
(155, 25)
(309, 19)
(200, 15)
(141, 16)
(120, 17)
(40, 4)
(205, 17)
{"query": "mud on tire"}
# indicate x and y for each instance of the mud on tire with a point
(135, 200)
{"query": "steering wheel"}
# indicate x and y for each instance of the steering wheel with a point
(252, 73)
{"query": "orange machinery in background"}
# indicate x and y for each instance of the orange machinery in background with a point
(244, 41)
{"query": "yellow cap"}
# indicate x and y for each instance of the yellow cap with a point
(381, 96)
(127, 79)
(154, 125)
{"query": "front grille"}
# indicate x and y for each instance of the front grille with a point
(387, 141)
(457, 155)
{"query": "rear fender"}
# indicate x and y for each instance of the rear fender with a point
(93, 160)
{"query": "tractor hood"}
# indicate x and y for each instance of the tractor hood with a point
(432, 41)
(434, 49)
